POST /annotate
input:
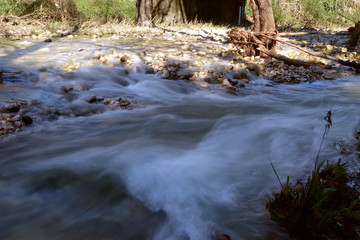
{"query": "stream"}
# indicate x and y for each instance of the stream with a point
(187, 162)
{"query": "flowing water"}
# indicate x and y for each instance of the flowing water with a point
(187, 163)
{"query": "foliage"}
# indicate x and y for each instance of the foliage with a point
(106, 10)
(310, 13)
(71, 10)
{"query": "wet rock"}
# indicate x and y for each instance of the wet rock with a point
(68, 88)
(49, 40)
(92, 99)
(328, 77)
(226, 83)
(165, 74)
(211, 80)
(110, 101)
(222, 236)
(240, 75)
(125, 59)
(17, 124)
(15, 118)
(150, 70)
(13, 108)
(319, 72)
(26, 120)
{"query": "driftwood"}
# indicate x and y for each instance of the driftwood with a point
(312, 33)
(353, 64)
(253, 43)
(257, 44)
(285, 59)
(250, 41)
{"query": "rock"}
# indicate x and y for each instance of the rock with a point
(13, 108)
(319, 72)
(226, 83)
(15, 118)
(186, 47)
(17, 124)
(332, 71)
(328, 77)
(26, 120)
(49, 40)
(68, 88)
(201, 54)
(165, 74)
(240, 84)
(245, 80)
(125, 59)
(150, 70)
(222, 236)
(92, 99)
(240, 75)
(110, 101)
(103, 59)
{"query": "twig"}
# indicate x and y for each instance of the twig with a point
(16, 5)
(346, 17)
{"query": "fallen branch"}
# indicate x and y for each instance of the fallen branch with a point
(285, 59)
(313, 33)
(353, 64)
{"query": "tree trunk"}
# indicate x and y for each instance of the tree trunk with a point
(153, 12)
(263, 16)
(264, 22)
(355, 35)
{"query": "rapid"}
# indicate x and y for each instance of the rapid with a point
(187, 162)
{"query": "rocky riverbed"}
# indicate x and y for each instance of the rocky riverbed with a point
(201, 55)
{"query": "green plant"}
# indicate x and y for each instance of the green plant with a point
(308, 13)
(325, 207)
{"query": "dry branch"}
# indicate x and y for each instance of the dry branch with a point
(256, 43)
(285, 59)
(313, 33)
(353, 64)
(346, 18)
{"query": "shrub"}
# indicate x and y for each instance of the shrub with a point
(71, 10)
